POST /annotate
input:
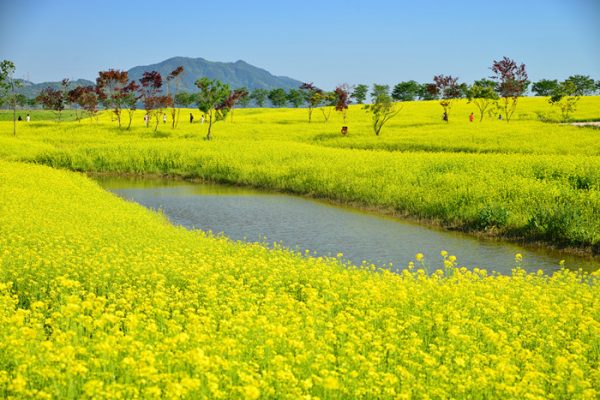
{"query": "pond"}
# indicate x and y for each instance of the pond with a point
(324, 229)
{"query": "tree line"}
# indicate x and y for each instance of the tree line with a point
(157, 95)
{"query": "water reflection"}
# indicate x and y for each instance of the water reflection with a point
(298, 223)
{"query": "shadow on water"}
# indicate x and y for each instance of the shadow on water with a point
(302, 224)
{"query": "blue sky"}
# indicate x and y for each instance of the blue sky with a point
(326, 42)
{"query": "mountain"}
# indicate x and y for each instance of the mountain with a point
(30, 89)
(236, 74)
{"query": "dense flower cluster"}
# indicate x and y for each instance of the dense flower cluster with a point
(100, 298)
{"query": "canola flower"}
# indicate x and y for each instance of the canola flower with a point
(526, 179)
(101, 298)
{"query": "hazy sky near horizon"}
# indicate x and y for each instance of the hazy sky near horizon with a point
(325, 42)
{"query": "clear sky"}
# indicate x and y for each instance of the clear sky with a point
(326, 42)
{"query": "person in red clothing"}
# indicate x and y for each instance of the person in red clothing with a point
(471, 117)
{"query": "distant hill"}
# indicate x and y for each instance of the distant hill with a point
(236, 74)
(30, 89)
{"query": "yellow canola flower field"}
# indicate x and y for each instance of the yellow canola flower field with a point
(101, 298)
(526, 180)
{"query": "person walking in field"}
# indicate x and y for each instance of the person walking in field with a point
(471, 117)
(146, 120)
(191, 118)
(202, 120)
(164, 118)
(28, 118)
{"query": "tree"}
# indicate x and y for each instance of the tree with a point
(185, 99)
(511, 82)
(110, 86)
(295, 97)
(52, 99)
(173, 85)
(234, 97)
(8, 85)
(211, 99)
(428, 91)
(584, 85)
(544, 87)
(85, 98)
(312, 96)
(565, 96)
(130, 99)
(360, 93)
(342, 99)
(447, 88)
(327, 104)
(260, 96)
(406, 91)
(383, 108)
(278, 97)
(150, 93)
(483, 94)
(245, 98)
(73, 97)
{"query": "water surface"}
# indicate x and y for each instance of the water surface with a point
(300, 224)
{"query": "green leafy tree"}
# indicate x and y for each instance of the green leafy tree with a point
(260, 97)
(512, 83)
(8, 86)
(359, 94)
(544, 87)
(565, 96)
(483, 94)
(383, 108)
(406, 91)
(326, 104)
(295, 97)
(211, 100)
(584, 85)
(312, 96)
(447, 88)
(185, 99)
(278, 97)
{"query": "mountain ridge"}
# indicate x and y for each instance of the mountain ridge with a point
(236, 74)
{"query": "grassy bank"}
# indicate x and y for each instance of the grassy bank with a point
(101, 298)
(527, 179)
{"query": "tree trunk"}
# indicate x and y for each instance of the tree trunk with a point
(14, 118)
(210, 114)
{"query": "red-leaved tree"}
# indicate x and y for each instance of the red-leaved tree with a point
(110, 86)
(511, 83)
(447, 88)
(342, 99)
(173, 85)
(151, 96)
